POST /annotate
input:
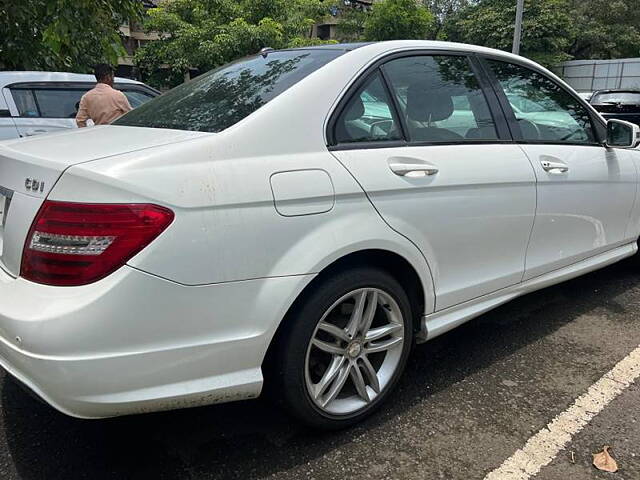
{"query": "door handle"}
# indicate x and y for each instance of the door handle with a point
(406, 167)
(554, 167)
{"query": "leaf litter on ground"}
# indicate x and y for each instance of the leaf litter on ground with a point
(604, 461)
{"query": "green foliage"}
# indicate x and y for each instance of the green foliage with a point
(351, 24)
(73, 35)
(605, 28)
(553, 30)
(398, 19)
(545, 33)
(67, 35)
(442, 10)
(203, 34)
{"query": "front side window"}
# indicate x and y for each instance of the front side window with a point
(224, 96)
(441, 99)
(368, 117)
(544, 111)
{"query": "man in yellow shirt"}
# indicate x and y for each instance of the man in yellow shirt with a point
(103, 104)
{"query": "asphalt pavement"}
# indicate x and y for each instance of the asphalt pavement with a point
(467, 402)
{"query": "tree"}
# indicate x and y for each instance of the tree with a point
(203, 34)
(442, 10)
(68, 35)
(351, 20)
(546, 31)
(605, 29)
(398, 19)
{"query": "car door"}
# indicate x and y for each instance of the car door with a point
(434, 158)
(585, 191)
(40, 109)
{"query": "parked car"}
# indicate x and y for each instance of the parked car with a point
(297, 220)
(32, 103)
(620, 104)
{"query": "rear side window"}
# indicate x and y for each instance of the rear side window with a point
(440, 99)
(47, 102)
(57, 102)
(223, 97)
(25, 102)
(544, 111)
(368, 115)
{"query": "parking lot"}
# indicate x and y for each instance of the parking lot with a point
(467, 402)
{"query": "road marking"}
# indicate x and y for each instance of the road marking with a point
(545, 445)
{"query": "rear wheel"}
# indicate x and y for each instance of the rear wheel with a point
(345, 348)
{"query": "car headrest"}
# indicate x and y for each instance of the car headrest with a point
(355, 109)
(425, 104)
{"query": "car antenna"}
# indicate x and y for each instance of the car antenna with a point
(265, 51)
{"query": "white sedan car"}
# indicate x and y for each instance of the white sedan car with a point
(33, 103)
(297, 220)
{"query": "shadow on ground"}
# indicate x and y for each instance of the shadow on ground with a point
(251, 439)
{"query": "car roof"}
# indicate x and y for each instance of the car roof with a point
(334, 46)
(375, 49)
(392, 45)
(400, 44)
(9, 77)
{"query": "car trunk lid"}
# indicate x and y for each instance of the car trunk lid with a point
(29, 168)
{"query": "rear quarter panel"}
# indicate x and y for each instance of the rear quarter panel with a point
(227, 227)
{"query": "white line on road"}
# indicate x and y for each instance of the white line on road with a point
(545, 445)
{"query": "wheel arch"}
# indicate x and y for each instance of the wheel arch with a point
(395, 264)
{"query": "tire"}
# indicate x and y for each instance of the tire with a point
(634, 260)
(309, 353)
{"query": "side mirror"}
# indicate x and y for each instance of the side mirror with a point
(621, 134)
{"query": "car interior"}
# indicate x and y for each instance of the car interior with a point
(435, 109)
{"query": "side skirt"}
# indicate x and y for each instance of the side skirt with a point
(438, 323)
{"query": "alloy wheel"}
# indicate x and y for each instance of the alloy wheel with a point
(354, 351)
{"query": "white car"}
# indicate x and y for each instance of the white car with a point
(32, 103)
(256, 227)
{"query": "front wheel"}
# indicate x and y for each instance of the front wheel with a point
(345, 349)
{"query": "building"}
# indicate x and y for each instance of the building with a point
(133, 38)
(591, 75)
(327, 30)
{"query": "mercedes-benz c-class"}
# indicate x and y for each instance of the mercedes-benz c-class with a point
(295, 222)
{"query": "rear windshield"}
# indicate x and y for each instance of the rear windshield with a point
(617, 97)
(224, 96)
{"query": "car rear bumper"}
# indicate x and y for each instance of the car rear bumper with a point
(135, 343)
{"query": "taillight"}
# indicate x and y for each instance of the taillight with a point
(79, 243)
